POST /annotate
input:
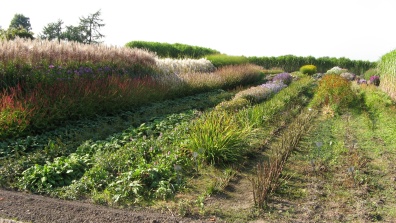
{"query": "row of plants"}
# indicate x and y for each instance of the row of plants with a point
(349, 158)
(36, 61)
(24, 110)
(176, 50)
(19, 154)
(257, 94)
(152, 160)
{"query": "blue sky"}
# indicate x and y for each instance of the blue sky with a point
(356, 29)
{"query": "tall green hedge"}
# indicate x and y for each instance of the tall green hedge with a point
(176, 50)
(387, 72)
(291, 63)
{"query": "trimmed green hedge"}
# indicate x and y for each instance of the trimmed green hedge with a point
(176, 50)
(387, 72)
(220, 60)
(290, 63)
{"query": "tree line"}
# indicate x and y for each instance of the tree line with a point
(87, 31)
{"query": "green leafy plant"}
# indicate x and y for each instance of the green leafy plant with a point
(61, 172)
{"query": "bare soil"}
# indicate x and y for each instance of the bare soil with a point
(35, 208)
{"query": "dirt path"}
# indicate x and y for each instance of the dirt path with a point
(34, 208)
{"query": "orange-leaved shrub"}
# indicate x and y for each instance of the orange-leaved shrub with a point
(333, 91)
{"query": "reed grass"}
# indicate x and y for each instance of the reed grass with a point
(387, 69)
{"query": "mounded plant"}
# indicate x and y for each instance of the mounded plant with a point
(333, 91)
(219, 137)
(308, 69)
(285, 78)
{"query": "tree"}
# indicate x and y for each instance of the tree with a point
(20, 20)
(73, 33)
(12, 33)
(90, 27)
(53, 31)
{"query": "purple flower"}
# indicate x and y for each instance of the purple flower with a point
(286, 78)
(362, 81)
(274, 87)
(51, 66)
(375, 80)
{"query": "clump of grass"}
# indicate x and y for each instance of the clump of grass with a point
(219, 137)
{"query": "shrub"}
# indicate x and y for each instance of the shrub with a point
(220, 60)
(375, 80)
(336, 70)
(371, 72)
(308, 69)
(333, 91)
(285, 78)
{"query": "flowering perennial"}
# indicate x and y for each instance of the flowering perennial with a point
(285, 78)
(336, 70)
(375, 80)
(274, 87)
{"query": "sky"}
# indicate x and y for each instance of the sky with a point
(355, 29)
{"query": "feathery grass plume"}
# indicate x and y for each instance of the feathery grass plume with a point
(34, 52)
(226, 77)
(184, 66)
(25, 60)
